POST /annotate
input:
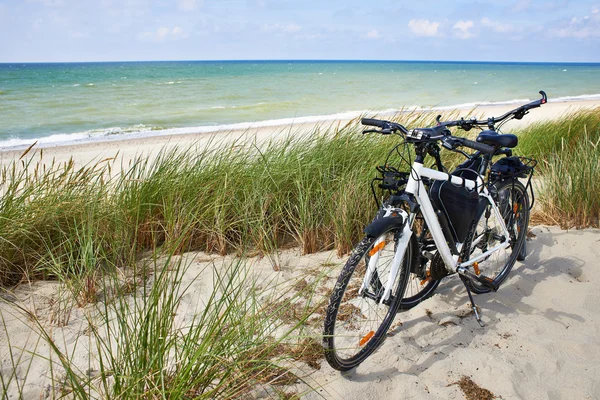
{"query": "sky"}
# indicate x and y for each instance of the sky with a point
(130, 30)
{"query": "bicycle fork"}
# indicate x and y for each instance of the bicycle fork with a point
(399, 253)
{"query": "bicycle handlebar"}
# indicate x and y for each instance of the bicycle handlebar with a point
(482, 147)
(439, 133)
(386, 126)
(518, 113)
(373, 122)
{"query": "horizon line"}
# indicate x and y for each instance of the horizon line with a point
(306, 60)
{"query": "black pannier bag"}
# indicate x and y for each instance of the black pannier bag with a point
(510, 167)
(456, 203)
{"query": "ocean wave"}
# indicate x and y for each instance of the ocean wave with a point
(91, 135)
(141, 130)
(576, 98)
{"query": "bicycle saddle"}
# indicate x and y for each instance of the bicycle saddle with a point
(494, 139)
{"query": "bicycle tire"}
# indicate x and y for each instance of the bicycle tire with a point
(513, 203)
(349, 335)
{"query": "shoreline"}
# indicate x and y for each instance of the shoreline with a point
(125, 149)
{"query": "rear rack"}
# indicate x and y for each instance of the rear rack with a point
(512, 168)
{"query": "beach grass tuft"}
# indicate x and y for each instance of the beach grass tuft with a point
(569, 153)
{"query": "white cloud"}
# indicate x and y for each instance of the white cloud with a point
(374, 34)
(424, 27)
(163, 34)
(312, 36)
(188, 5)
(50, 3)
(496, 26)
(580, 28)
(576, 32)
(462, 29)
(282, 28)
(595, 10)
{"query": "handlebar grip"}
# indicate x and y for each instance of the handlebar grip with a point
(482, 147)
(373, 122)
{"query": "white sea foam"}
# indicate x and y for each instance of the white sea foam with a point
(138, 131)
(575, 98)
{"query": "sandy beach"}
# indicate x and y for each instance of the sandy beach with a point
(541, 339)
(126, 150)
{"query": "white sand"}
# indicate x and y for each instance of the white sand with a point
(541, 339)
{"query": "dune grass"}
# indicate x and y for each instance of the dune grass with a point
(312, 192)
(569, 153)
(235, 344)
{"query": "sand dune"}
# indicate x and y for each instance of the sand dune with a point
(541, 339)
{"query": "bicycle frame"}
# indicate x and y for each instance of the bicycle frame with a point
(416, 187)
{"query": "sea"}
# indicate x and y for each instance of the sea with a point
(63, 103)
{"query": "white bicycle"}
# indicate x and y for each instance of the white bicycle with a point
(471, 222)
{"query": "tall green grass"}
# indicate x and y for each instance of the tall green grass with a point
(135, 347)
(311, 192)
(568, 150)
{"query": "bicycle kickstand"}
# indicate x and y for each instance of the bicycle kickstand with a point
(473, 306)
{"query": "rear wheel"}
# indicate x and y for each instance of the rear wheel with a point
(513, 204)
(356, 321)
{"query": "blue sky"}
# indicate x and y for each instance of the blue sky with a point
(113, 30)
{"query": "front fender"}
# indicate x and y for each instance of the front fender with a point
(381, 225)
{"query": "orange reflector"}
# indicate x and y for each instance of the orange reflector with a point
(376, 248)
(476, 268)
(515, 208)
(427, 278)
(366, 338)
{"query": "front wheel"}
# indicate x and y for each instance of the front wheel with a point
(356, 321)
(513, 203)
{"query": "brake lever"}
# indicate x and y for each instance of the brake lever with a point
(370, 131)
(521, 114)
(449, 143)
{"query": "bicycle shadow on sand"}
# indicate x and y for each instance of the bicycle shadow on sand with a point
(434, 329)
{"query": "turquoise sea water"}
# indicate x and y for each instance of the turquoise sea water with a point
(91, 101)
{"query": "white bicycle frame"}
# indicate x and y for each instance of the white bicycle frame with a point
(416, 187)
